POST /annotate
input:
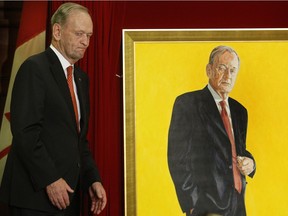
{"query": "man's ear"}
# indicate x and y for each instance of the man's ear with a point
(209, 70)
(56, 31)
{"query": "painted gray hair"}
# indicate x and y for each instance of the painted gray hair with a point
(219, 50)
(61, 14)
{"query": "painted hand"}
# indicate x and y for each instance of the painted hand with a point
(245, 165)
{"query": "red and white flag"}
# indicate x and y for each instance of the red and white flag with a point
(31, 40)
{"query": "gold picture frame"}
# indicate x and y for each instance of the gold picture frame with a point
(135, 41)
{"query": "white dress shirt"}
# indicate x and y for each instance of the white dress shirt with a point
(217, 100)
(66, 64)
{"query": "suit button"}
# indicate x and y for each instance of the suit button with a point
(230, 167)
(78, 165)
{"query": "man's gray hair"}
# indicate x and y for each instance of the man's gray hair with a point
(219, 50)
(61, 14)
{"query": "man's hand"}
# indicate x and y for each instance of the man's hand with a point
(58, 193)
(98, 197)
(245, 165)
(191, 211)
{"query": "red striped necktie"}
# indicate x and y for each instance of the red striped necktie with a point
(227, 124)
(71, 88)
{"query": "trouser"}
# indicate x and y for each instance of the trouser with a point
(237, 207)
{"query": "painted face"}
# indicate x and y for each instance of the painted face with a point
(223, 72)
(75, 36)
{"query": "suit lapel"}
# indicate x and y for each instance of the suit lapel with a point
(235, 123)
(59, 76)
(209, 111)
(80, 84)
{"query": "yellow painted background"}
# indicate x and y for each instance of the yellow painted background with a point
(165, 70)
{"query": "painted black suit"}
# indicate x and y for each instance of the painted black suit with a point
(46, 145)
(199, 152)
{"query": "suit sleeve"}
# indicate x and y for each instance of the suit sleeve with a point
(90, 172)
(179, 156)
(27, 116)
(245, 152)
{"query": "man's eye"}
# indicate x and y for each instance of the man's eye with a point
(222, 68)
(79, 34)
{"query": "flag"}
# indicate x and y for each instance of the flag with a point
(31, 40)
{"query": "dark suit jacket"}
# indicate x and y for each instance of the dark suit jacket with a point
(199, 151)
(46, 145)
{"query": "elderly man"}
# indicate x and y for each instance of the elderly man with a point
(49, 162)
(207, 154)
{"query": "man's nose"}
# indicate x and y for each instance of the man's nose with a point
(228, 73)
(85, 40)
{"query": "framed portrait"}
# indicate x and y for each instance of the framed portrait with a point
(159, 65)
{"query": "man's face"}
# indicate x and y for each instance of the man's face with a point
(223, 73)
(75, 36)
